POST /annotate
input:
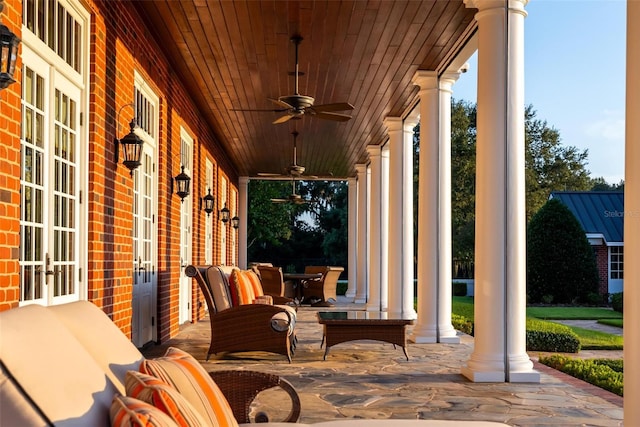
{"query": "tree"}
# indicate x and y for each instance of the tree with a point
(600, 184)
(463, 181)
(329, 209)
(561, 265)
(267, 222)
(550, 166)
(315, 230)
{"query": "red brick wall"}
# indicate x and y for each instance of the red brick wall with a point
(602, 261)
(119, 45)
(10, 172)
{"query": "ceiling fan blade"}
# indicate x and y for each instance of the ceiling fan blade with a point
(283, 119)
(336, 117)
(259, 110)
(281, 103)
(271, 175)
(336, 106)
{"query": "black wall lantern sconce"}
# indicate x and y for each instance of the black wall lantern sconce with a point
(131, 146)
(183, 182)
(224, 214)
(9, 43)
(235, 222)
(207, 202)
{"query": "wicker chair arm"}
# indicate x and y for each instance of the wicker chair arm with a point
(241, 388)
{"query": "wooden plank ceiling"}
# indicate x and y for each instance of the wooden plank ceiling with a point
(235, 55)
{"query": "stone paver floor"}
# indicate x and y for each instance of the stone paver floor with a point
(368, 379)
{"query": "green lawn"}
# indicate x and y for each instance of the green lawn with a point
(593, 340)
(572, 313)
(611, 322)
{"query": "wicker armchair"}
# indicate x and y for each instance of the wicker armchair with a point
(241, 388)
(248, 327)
(324, 288)
(273, 283)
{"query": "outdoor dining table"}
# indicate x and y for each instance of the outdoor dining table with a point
(298, 282)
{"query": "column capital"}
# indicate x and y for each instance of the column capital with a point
(352, 181)
(485, 5)
(243, 180)
(410, 123)
(448, 79)
(361, 168)
(425, 79)
(373, 150)
(393, 123)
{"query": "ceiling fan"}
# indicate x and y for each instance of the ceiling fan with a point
(293, 197)
(295, 106)
(294, 170)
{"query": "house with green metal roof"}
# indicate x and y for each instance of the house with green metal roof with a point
(601, 214)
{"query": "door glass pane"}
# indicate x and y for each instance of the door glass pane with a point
(31, 188)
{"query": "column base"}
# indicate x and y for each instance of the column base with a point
(359, 300)
(429, 335)
(492, 370)
(532, 376)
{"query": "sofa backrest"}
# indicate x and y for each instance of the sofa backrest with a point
(54, 373)
(102, 339)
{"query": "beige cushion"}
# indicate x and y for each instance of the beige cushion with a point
(219, 288)
(164, 397)
(53, 368)
(106, 343)
(127, 411)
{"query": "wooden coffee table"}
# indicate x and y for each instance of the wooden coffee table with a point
(342, 326)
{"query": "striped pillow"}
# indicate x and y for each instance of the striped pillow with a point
(127, 411)
(241, 289)
(186, 375)
(256, 285)
(162, 396)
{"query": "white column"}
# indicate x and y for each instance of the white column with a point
(408, 255)
(434, 210)
(426, 329)
(500, 275)
(446, 332)
(384, 230)
(352, 239)
(243, 209)
(361, 286)
(632, 221)
(396, 155)
(375, 217)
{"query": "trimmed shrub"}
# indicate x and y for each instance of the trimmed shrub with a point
(459, 289)
(462, 324)
(616, 301)
(593, 371)
(548, 336)
(560, 261)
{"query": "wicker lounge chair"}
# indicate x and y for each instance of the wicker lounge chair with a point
(322, 291)
(246, 327)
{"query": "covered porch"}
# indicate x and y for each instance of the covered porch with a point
(371, 152)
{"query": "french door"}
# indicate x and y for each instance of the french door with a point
(50, 185)
(184, 313)
(145, 236)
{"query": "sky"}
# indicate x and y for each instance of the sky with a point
(575, 76)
